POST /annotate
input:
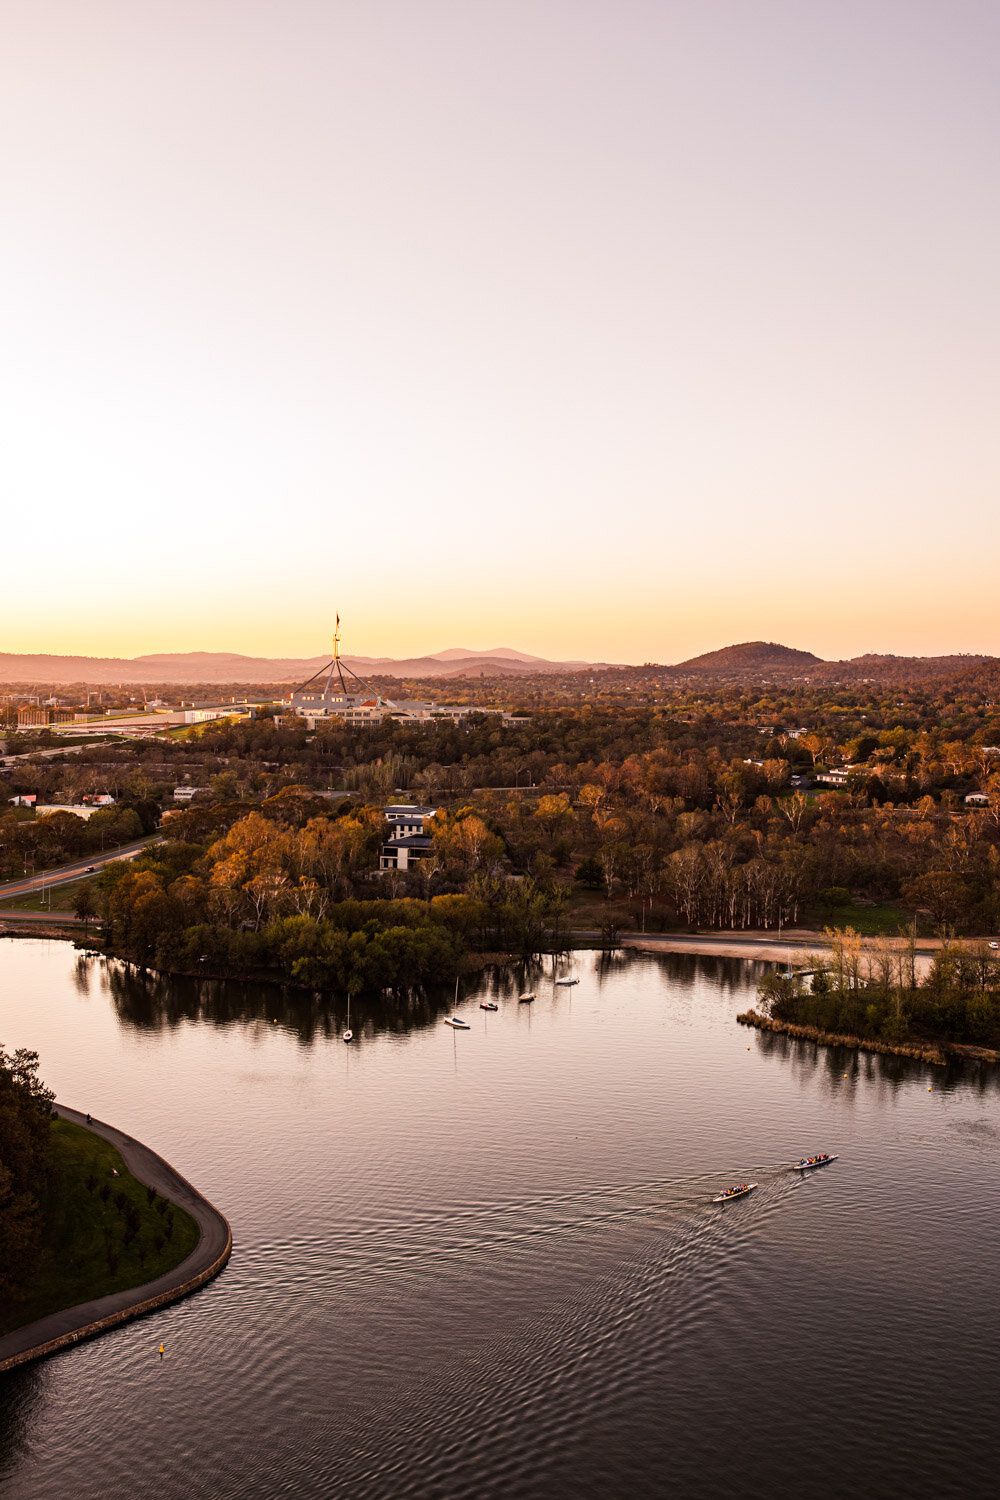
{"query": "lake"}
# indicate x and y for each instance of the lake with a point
(486, 1264)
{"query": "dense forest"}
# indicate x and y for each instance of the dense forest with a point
(291, 887)
(629, 798)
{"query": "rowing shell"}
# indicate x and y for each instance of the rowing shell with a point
(730, 1197)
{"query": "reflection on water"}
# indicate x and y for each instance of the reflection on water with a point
(154, 1001)
(486, 1264)
(21, 1408)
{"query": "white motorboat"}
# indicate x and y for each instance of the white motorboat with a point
(567, 981)
(457, 1022)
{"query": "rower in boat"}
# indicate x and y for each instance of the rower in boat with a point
(740, 1191)
(808, 1162)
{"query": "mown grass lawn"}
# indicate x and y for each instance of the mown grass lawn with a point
(102, 1233)
(884, 920)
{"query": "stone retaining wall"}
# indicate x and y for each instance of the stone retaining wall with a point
(90, 1330)
(142, 1305)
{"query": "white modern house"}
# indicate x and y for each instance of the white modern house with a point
(407, 843)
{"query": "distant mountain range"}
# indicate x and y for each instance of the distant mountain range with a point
(749, 660)
(229, 667)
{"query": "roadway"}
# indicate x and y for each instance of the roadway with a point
(65, 874)
(11, 756)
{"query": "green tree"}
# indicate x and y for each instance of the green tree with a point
(25, 1109)
(84, 905)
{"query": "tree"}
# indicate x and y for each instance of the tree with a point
(84, 905)
(554, 812)
(589, 873)
(25, 1108)
(941, 892)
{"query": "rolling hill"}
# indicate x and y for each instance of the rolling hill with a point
(750, 656)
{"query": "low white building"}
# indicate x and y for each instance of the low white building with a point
(204, 713)
(319, 707)
(837, 776)
(82, 810)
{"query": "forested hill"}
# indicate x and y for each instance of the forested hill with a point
(750, 656)
(873, 668)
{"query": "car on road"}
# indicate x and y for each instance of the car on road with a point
(90, 869)
(994, 945)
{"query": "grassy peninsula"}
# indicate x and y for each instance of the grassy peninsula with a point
(94, 1232)
(867, 993)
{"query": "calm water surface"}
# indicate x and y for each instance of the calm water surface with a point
(485, 1264)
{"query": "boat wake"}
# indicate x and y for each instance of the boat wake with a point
(673, 1279)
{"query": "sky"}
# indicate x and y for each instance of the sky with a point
(617, 331)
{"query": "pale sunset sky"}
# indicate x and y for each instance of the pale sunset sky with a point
(617, 330)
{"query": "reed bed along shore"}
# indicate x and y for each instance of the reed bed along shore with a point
(927, 1052)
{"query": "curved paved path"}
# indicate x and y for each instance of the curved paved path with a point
(208, 1257)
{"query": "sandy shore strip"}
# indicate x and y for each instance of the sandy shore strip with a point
(215, 1242)
(797, 944)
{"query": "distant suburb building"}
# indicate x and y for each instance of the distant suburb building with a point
(32, 717)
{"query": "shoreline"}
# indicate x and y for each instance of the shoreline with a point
(754, 944)
(71, 1325)
(938, 1054)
